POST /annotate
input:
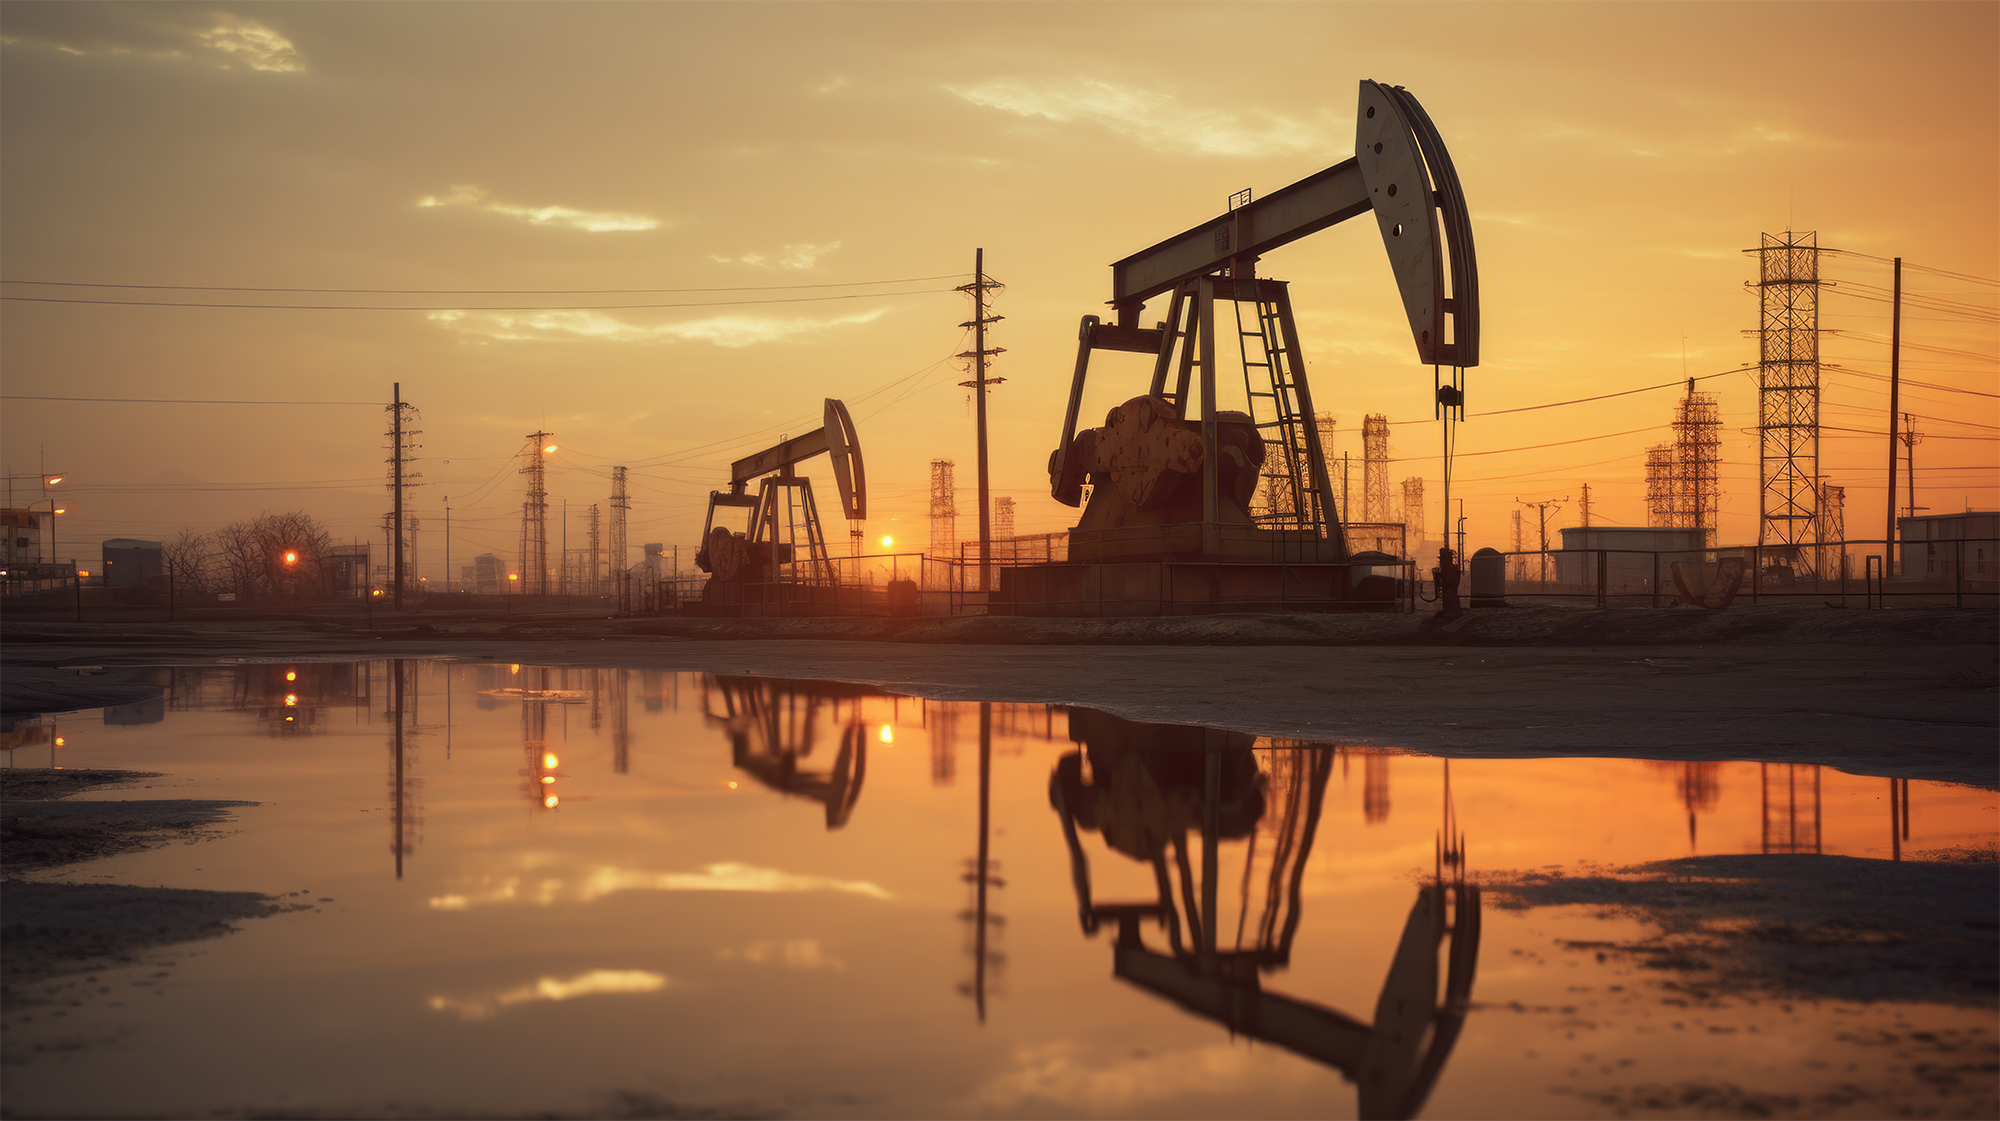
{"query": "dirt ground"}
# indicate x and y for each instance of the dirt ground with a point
(1905, 694)
(54, 935)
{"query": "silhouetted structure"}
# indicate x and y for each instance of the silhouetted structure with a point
(773, 726)
(1788, 391)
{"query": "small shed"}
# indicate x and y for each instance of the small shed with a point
(131, 564)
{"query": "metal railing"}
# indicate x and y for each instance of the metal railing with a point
(1950, 573)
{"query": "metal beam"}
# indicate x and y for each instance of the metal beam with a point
(1284, 216)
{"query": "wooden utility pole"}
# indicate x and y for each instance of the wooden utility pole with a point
(1895, 387)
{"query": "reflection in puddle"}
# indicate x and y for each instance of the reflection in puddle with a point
(1293, 928)
(1144, 787)
(597, 982)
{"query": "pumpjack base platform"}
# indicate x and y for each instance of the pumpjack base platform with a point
(1187, 587)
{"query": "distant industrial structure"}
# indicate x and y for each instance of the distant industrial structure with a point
(1683, 479)
(1788, 494)
(944, 511)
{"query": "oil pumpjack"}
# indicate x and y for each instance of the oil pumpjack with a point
(1234, 509)
(763, 565)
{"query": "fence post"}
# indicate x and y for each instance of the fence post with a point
(1656, 579)
(1603, 568)
(1756, 571)
(76, 579)
(1958, 576)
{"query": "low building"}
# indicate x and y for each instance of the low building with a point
(1942, 547)
(23, 543)
(130, 563)
(347, 570)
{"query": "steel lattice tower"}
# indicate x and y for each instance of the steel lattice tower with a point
(1788, 390)
(619, 504)
(1375, 468)
(1413, 513)
(595, 581)
(944, 512)
(535, 519)
(1325, 423)
(1661, 493)
(402, 448)
(1832, 527)
(1003, 519)
(1697, 463)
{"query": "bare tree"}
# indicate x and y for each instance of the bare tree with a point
(191, 562)
(275, 556)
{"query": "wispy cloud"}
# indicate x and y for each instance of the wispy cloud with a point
(568, 217)
(803, 255)
(731, 330)
(258, 46)
(597, 982)
(1153, 118)
(793, 953)
(610, 880)
(239, 41)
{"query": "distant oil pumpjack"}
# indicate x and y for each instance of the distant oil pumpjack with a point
(1248, 489)
(764, 565)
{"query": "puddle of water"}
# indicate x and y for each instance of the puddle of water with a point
(598, 890)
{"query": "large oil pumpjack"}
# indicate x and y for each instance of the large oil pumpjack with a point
(1233, 508)
(781, 558)
(1145, 787)
(773, 726)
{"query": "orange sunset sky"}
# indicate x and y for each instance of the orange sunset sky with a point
(807, 183)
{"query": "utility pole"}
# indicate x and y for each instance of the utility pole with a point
(1895, 387)
(1911, 438)
(447, 543)
(979, 353)
(1542, 508)
(1584, 506)
(396, 458)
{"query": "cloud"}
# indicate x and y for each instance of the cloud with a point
(728, 330)
(157, 31)
(609, 880)
(1090, 1080)
(1153, 118)
(803, 255)
(793, 953)
(590, 221)
(259, 47)
(597, 982)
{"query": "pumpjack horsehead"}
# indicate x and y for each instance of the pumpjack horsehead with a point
(1253, 486)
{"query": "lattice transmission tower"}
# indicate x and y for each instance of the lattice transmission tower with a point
(619, 505)
(1662, 493)
(1788, 390)
(593, 584)
(402, 448)
(1697, 463)
(1375, 468)
(1413, 514)
(535, 518)
(944, 511)
(1003, 519)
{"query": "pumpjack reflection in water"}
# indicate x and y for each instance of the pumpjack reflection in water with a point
(774, 723)
(1143, 787)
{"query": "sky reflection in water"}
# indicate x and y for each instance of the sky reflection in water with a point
(546, 886)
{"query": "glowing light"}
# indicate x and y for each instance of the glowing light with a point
(887, 734)
(548, 779)
(291, 675)
(549, 760)
(291, 700)
(513, 576)
(54, 479)
(61, 741)
(376, 592)
(62, 509)
(551, 801)
(291, 557)
(80, 573)
(732, 785)
(888, 541)
(514, 669)
(548, 449)
(288, 719)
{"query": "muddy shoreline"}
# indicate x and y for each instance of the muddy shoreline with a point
(1902, 694)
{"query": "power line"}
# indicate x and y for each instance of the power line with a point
(535, 307)
(473, 291)
(178, 401)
